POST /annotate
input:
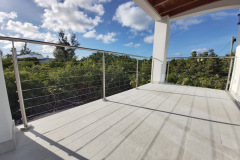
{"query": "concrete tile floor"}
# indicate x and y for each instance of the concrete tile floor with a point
(156, 121)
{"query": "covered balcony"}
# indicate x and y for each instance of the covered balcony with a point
(156, 120)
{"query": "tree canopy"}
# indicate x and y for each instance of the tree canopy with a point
(58, 85)
(201, 72)
(25, 50)
(63, 53)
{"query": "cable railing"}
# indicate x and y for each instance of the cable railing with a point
(43, 90)
(209, 72)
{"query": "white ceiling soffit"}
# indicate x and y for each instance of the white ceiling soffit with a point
(148, 9)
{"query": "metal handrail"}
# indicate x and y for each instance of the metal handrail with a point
(60, 45)
(220, 57)
(17, 76)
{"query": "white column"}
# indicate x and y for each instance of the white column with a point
(7, 140)
(160, 50)
(235, 81)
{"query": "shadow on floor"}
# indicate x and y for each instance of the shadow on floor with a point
(183, 94)
(29, 149)
(233, 124)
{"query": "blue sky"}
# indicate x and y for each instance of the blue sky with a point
(114, 25)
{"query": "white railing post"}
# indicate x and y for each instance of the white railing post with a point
(152, 70)
(229, 75)
(231, 64)
(104, 78)
(137, 75)
(19, 88)
(168, 63)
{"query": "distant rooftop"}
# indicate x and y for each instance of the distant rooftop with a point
(32, 55)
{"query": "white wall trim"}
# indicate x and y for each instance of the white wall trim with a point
(148, 9)
(10, 144)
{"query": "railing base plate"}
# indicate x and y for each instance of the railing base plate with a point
(26, 128)
(104, 99)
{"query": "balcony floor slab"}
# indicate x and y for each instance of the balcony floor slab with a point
(155, 121)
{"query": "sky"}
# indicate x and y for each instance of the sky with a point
(112, 25)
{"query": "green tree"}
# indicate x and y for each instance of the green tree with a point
(63, 53)
(57, 85)
(212, 53)
(8, 55)
(25, 50)
(201, 72)
(194, 54)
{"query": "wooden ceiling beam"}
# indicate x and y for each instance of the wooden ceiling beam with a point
(159, 3)
(176, 7)
(189, 7)
(155, 3)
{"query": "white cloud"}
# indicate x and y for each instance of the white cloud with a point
(49, 38)
(200, 50)
(46, 3)
(222, 15)
(90, 34)
(47, 49)
(71, 14)
(8, 44)
(129, 15)
(131, 44)
(89, 5)
(148, 39)
(17, 45)
(108, 38)
(177, 54)
(28, 30)
(137, 45)
(4, 15)
(184, 24)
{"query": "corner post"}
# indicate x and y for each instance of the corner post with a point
(160, 50)
(7, 125)
(235, 78)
